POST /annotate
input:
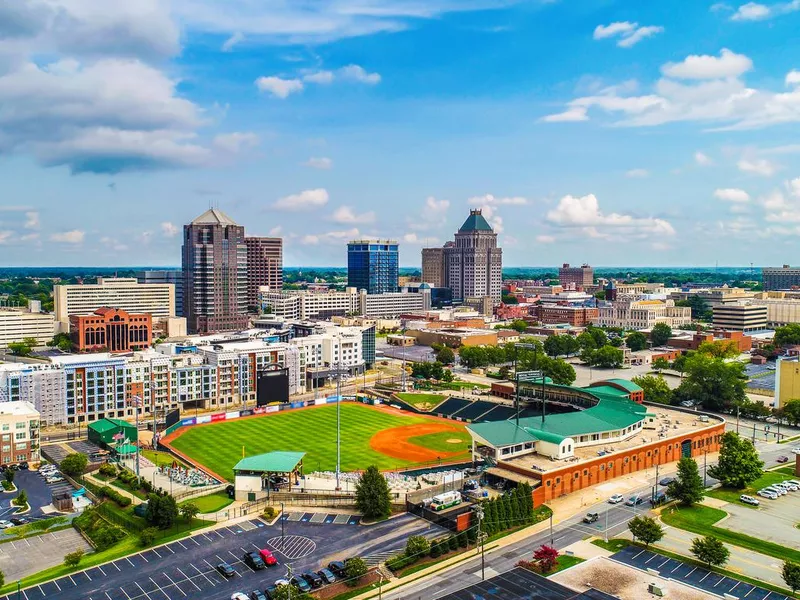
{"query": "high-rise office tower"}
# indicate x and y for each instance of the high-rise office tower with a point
(214, 274)
(264, 265)
(161, 276)
(575, 276)
(474, 263)
(372, 265)
(433, 266)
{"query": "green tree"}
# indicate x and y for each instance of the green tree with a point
(607, 357)
(788, 335)
(161, 510)
(699, 306)
(289, 592)
(660, 364)
(552, 346)
(645, 529)
(519, 325)
(720, 348)
(738, 465)
(660, 334)
(655, 388)
(355, 568)
(560, 371)
(73, 559)
(19, 348)
(21, 499)
(62, 341)
(714, 383)
(636, 341)
(417, 546)
(9, 475)
(710, 551)
(372, 494)
(446, 356)
(598, 335)
(790, 573)
(687, 487)
(791, 412)
(189, 511)
(74, 464)
(586, 341)
(147, 536)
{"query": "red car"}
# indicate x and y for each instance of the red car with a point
(782, 459)
(268, 558)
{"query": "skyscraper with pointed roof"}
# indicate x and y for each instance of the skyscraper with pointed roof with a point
(214, 274)
(473, 263)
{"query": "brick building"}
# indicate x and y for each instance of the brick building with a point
(111, 328)
(745, 342)
(19, 433)
(577, 316)
(264, 265)
(575, 277)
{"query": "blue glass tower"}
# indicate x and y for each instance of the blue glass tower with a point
(372, 265)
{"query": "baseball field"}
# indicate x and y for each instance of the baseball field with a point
(370, 435)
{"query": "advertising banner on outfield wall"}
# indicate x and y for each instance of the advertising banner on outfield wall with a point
(187, 422)
(232, 415)
(246, 413)
(297, 404)
(319, 401)
(204, 419)
(271, 409)
(217, 417)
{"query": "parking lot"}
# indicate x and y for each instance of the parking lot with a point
(697, 577)
(187, 568)
(39, 492)
(772, 520)
(20, 558)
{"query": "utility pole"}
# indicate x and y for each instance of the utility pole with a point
(737, 419)
(552, 543)
(481, 539)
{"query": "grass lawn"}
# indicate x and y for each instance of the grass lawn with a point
(701, 519)
(732, 495)
(210, 503)
(438, 441)
(312, 431)
(565, 562)
(421, 400)
(612, 545)
(162, 458)
(788, 471)
(119, 485)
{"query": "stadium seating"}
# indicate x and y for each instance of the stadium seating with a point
(474, 410)
(450, 406)
(499, 413)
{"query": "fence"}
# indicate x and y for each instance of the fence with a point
(199, 491)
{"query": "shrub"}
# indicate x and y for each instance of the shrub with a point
(22, 499)
(148, 536)
(435, 552)
(102, 533)
(147, 486)
(270, 512)
(417, 546)
(452, 543)
(114, 496)
(73, 559)
(355, 569)
(463, 542)
(107, 470)
(400, 562)
(74, 464)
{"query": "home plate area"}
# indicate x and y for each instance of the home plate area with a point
(292, 546)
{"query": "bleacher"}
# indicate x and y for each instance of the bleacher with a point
(474, 410)
(450, 407)
(499, 413)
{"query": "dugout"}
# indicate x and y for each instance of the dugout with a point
(256, 476)
(102, 432)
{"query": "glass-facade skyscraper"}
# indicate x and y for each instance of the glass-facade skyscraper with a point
(372, 265)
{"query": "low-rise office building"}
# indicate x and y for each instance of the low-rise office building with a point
(17, 324)
(325, 305)
(740, 317)
(643, 314)
(576, 316)
(111, 329)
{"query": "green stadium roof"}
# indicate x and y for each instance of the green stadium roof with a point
(105, 425)
(502, 433)
(271, 462)
(475, 222)
(625, 383)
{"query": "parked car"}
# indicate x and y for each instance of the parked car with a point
(268, 557)
(659, 498)
(312, 578)
(687, 404)
(271, 591)
(796, 450)
(239, 596)
(253, 560)
(225, 570)
(338, 568)
(327, 576)
(665, 481)
(257, 595)
(54, 479)
(24, 466)
(19, 520)
(616, 499)
(782, 459)
(282, 581)
(749, 500)
(634, 501)
(768, 494)
(793, 481)
(5, 524)
(778, 490)
(301, 584)
(591, 517)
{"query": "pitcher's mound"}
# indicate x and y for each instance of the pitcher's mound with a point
(454, 441)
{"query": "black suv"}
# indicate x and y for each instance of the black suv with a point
(312, 578)
(338, 568)
(301, 584)
(225, 570)
(253, 560)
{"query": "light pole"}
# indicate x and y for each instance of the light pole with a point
(606, 531)
(552, 543)
(481, 539)
(525, 377)
(338, 372)
(380, 585)
(137, 401)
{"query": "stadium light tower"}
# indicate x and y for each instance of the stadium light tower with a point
(338, 371)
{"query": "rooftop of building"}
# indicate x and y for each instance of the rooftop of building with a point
(271, 462)
(475, 222)
(18, 409)
(214, 216)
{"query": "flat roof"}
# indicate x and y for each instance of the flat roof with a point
(18, 409)
(271, 462)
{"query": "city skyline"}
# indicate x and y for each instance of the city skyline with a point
(584, 132)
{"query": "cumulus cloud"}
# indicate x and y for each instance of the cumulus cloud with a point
(628, 34)
(319, 163)
(74, 236)
(433, 215)
(792, 78)
(702, 159)
(731, 195)
(489, 199)
(232, 41)
(322, 77)
(305, 200)
(278, 87)
(235, 142)
(169, 229)
(700, 88)
(5, 237)
(584, 213)
(31, 220)
(759, 166)
(346, 214)
(358, 73)
(489, 212)
(753, 11)
(113, 244)
(637, 173)
(545, 239)
(330, 237)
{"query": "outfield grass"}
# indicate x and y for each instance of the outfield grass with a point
(420, 400)
(210, 503)
(732, 495)
(438, 441)
(219, 446)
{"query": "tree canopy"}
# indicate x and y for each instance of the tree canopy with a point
(791, 411)
(714, 383)
(561, 345)
(606, 357)
(660, 334)
(161, 510)
(710, 551)
(372, 494)
(655, 388)
(738, 465)
(687, 487)
(645, 529)
(720, 348)
(788, 335)
(791, 575)
(636, 341)
(74, 464)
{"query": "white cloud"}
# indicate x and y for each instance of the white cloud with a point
(31, 220)
(236, 141)
(74, 236)
(727, 64)
(731, 195)
(330, 237)
(702, 159)
(753, 11)
(759, 166)
(346, 215)
(358, 73)
(792, 78)
(319, 163)
(545, 239)
(432, 216)
(113, 244)
(489, 212)
(498, 201)
(574, 114)
(280, 88)
(628, 34)
(305, 200)
(637, 173)
(5, 237)
(322, 77)
(232, 41)
(584, 213)
(169, 229)
(275, 231)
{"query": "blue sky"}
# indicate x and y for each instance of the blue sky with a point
(617, 133)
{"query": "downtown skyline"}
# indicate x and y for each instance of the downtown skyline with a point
(617, 134)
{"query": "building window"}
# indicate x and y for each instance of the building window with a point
(577, 474)
(558, 480)
(548, 483)
(602, 467)
(626, 460)
(586, 471)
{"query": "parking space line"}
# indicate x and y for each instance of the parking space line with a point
(189, 579)
(108, 596)
(689, 573)
(734, 587)
(676, 568)
(156, 553)
(72, 580)
(158, 588)
(101, 570)
(146, 595)
(704, 577)
(142, 557)
(129, 560)
(203, 574)
(168, 548)
(24, 594)
(116, 565)
(194, 540)
(720, 581)
(58, 586)
(181, 545)
(174, 584)
(748, 593)
(126, 593)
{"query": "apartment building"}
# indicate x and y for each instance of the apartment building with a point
(643, 314)
(264, 265)
(575, 277)
(780, 278)
(19, 433)
(125, 293)
(16, 324)
(306, 305)
(576, 316)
